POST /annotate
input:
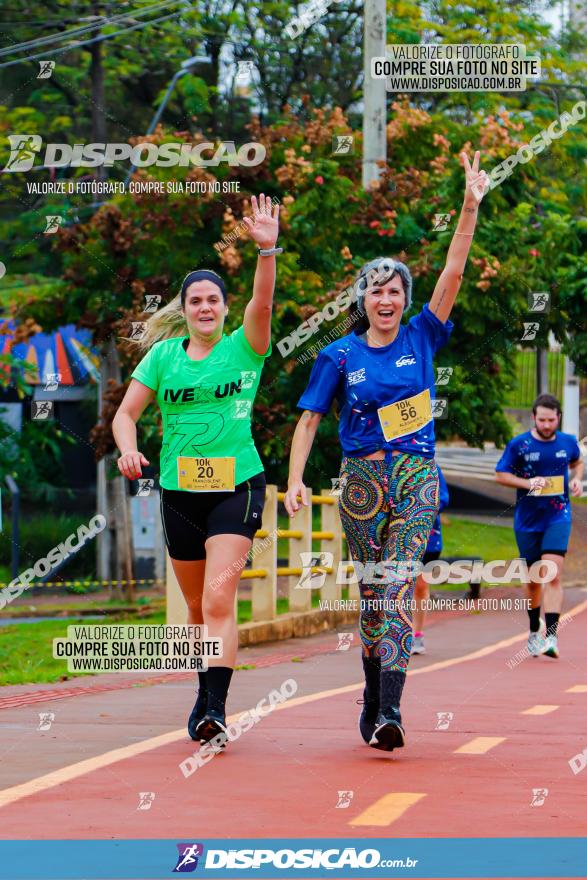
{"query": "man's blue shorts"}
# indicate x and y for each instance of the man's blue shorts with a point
(533, 545)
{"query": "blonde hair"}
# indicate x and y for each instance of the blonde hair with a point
(165, 323)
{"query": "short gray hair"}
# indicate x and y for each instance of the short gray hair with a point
(378, 272)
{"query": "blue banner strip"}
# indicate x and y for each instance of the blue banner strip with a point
(275, 858)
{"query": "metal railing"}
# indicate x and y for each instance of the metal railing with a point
(15, 537)
(264, 571)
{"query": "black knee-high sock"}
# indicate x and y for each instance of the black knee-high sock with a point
(392, 685)
(551, 623)
(218, 684)
(202, 698)
(372, 670)
(534, 615)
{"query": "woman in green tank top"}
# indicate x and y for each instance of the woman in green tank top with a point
(211, 477)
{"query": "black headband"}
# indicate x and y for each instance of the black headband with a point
(202, 275)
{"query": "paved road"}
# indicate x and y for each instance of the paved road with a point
(514, 728)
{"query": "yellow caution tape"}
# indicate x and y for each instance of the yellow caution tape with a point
(90, 583)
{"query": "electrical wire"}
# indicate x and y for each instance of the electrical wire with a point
(79, 31)
(41, 22)
(87, 28)
(78, 44)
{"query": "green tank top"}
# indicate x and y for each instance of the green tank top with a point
(205, 405)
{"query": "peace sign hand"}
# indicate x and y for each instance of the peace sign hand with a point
(264, 226)
(476, 182)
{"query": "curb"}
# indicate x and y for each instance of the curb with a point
(293, 625)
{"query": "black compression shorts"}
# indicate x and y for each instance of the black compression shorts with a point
(190, 518)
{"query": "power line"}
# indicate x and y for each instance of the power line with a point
(74, 15)
(74, 11)
(38, 22)
(100, 39)
(82, 29)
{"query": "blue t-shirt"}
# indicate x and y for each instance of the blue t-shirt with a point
(435, 540)
(524, 456)
(363, 379)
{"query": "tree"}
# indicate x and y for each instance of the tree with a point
(531, 232)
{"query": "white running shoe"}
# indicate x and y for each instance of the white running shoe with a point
(551, 646)
(418, 646)
(536, 641)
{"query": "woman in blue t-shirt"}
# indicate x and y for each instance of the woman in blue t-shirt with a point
(382, 376)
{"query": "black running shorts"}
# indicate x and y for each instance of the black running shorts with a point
(190, 518)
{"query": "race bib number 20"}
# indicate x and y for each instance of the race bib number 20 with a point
(405, 416)
(205, 474)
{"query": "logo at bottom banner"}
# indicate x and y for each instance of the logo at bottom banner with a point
(348, 857)
(187, 860)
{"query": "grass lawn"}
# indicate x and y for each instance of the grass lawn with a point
(461, 537)
(464, 538)
(57, 607)
(26, 648)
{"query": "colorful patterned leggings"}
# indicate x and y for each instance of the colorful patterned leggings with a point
(387, 512)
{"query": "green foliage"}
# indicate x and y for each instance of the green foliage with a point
(12, 373)
(196, 95)
(531, 233)
(33, 458)
(39, 532)
(521, 245)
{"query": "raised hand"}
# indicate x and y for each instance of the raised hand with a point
(476, 182)
(263, 227)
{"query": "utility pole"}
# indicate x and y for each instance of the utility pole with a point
(571, 400)
(374, 94)
(97, 81)
(104, 541)
(541, 371)
(114, 548)
(572, 391)
(115, 551)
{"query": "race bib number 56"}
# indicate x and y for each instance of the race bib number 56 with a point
(405, 416)
(205, 474)
(554, 486)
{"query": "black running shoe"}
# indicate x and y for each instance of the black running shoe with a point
(210, 726)
(197, 714)
(389, 733)
(368, 717)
